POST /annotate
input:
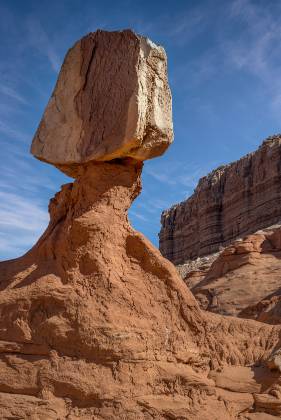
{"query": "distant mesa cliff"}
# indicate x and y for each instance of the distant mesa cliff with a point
(232, 201)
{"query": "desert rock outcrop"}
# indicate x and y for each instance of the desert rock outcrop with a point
(231, 202)
(96, 324)
(112, 100)
(244, 279)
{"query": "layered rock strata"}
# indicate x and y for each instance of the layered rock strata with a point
(244, 279)
(231, 202)
(96, 324)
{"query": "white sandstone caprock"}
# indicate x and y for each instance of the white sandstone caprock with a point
(112, 100)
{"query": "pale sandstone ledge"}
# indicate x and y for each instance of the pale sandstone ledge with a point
(112, 100)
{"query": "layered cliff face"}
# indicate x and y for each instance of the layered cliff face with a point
(230, 202)
(96, 324)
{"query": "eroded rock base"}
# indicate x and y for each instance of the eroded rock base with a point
(96, 324)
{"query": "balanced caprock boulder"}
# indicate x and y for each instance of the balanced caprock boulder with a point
(112, 100)
(95, 323)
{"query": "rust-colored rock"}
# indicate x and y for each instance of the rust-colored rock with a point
(229, 203)
(96, 324)
(244, 279)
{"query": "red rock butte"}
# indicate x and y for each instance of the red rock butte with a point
(95, 323)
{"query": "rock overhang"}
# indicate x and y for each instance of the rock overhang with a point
(112, 100)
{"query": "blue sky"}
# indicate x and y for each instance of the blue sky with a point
(224, 61)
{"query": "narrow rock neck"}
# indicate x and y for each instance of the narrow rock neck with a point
(106, 184)
(97, 201)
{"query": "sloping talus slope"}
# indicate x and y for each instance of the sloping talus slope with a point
(244, 280)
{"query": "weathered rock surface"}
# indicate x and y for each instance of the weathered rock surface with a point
(112, 100)
(244, 279)
(96, 324)
(231, 202)
(194, 271)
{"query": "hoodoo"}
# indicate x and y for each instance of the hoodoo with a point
(95, 323)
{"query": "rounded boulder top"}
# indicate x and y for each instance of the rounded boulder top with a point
(111, 100)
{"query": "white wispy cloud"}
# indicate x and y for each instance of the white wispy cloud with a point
(32, 182)
(182, 174)
(190, 24)
(138, 215)
(40, 40)
(257, 48)
(260, 32)
(13, 132)
(190, 179)
(14, 245)
(13, 94)
(12, 104)
(22, 220)
(160, 176)
(24, 193)
(21, 213)
(152, 206)
(248, 41)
